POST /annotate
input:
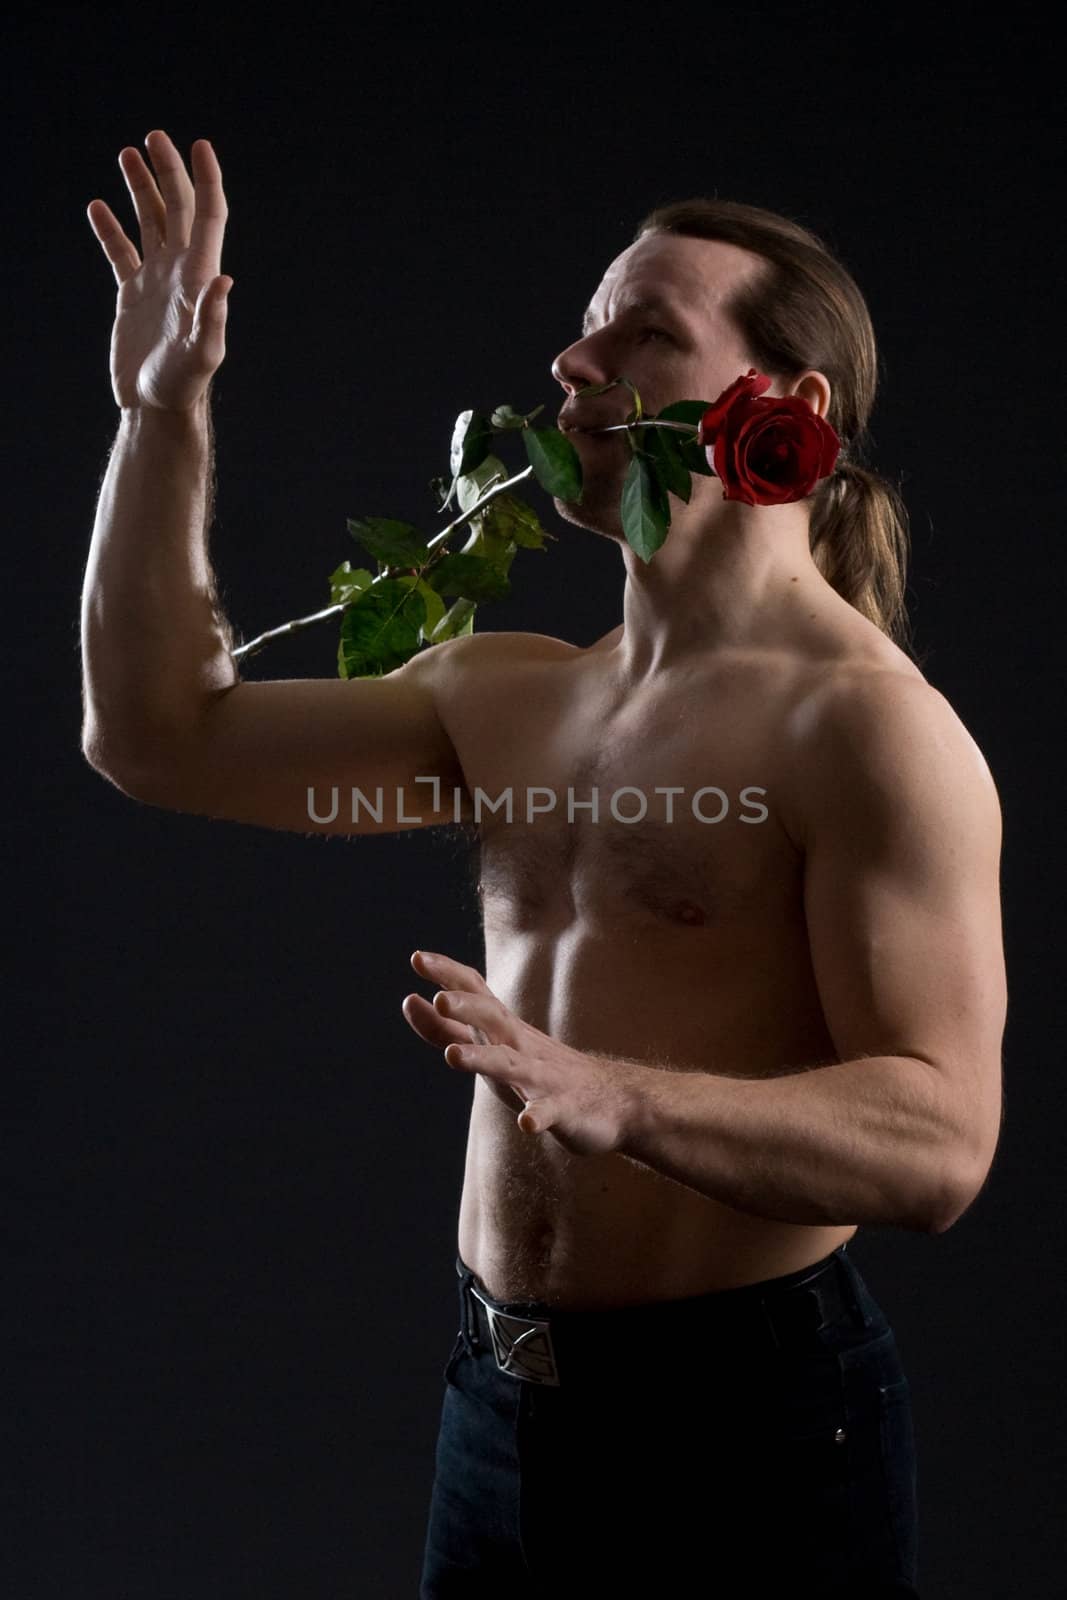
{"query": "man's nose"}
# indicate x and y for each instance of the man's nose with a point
(579, 366)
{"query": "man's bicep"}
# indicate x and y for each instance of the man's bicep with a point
(901, 888)
(318, 755)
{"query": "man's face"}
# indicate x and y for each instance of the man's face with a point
(658, 319)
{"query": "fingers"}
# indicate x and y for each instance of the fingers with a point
(178, 198)
(209, 218)
(118, 249)
(484, 1009)
(437, 1030)
(147, 202)
(174, 214)
(438, 968)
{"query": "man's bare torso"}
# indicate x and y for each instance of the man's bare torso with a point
(678, 943)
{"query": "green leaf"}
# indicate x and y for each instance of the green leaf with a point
(557, 466)
(645, 512)
(380, 630)
(512, 518)
(695, 459)
(457, 620)
(472, 440)
(490, 546)
(346, 582)
(506, 417)
(691, 453)
(435, 607)
(393, 544)
(472, 485)
(665, 460)
(472, 576)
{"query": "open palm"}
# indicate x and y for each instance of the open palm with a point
(170, 322)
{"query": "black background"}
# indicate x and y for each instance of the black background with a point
(233, 1172)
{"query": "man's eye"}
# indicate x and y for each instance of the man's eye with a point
(655, 333)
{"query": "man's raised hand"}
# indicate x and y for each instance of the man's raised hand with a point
(170, 322)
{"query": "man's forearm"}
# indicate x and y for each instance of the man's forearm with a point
(155, 647)
(865, 1141)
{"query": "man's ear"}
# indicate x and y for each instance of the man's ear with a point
(814, 387)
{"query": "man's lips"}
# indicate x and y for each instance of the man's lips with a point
(581, 437)
(589, 426)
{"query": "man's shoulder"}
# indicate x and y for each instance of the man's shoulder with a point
(462, 672)
(869, 702)
(854, 673)
(877, 728)
(478, 649)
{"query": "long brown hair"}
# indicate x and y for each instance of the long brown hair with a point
(806, 311)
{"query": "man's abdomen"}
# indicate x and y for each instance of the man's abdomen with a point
(581, 1232)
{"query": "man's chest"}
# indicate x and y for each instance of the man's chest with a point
(663, 807)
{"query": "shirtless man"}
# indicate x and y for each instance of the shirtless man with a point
(708, 1043)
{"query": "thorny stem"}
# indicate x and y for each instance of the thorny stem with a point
(624, 427)
(491, 494)
(287, 627)
(499, 488)
(335, 610)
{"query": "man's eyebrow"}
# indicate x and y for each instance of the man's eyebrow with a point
(644, 302)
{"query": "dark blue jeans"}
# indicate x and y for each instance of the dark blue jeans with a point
(749, 1442)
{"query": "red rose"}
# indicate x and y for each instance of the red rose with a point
(766, 452)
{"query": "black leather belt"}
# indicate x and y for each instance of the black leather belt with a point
(528, 1340)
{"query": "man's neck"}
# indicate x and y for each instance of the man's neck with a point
(739, 587)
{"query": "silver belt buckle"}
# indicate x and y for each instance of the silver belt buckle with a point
(522, 1346)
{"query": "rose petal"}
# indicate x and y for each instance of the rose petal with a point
(766, 450)
(752, 384)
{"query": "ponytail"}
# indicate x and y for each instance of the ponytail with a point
(859, 539)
